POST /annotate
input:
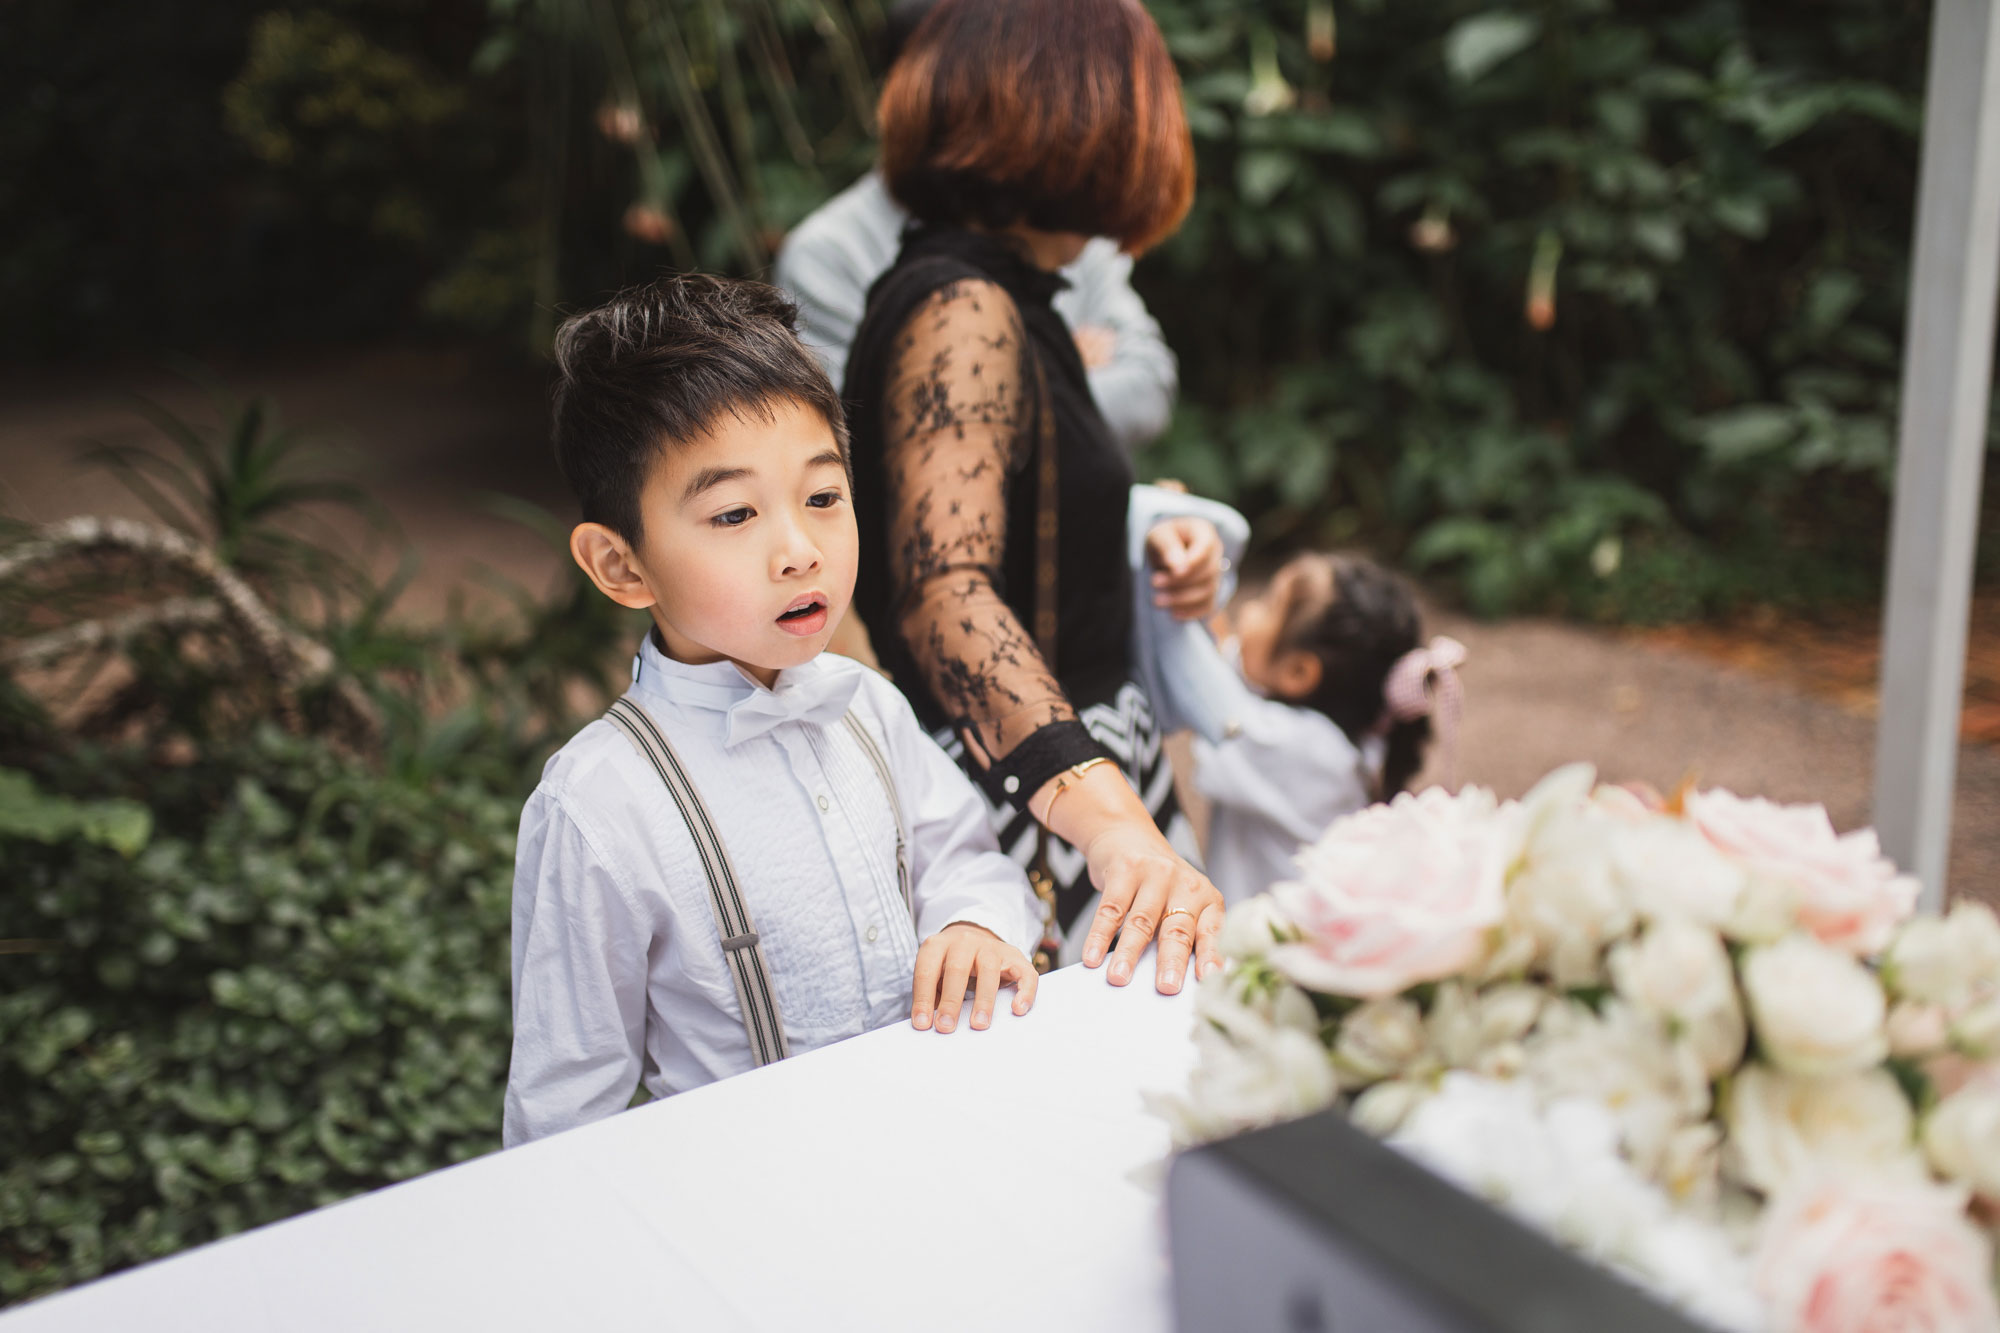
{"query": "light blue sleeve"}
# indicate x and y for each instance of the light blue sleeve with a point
(1189, 683)
(1136, 390)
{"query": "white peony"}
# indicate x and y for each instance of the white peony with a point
(1397, 894)
(1785, 1128)
(1814, 1008)
(1679, 973)
(1962, 1135)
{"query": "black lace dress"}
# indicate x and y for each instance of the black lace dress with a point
(944, 407)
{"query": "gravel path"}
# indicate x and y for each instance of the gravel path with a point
(431, 432)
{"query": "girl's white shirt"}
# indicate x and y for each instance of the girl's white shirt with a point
(1277, 776)
(618, 971)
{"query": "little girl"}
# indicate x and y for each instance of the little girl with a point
(1318, 700)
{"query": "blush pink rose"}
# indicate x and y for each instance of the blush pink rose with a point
(1873, 1255)
(1398, 894)
(1845, 891)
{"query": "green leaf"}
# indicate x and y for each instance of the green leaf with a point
(1477, 44)
(123, 826)
(1262, 173)
(1746, 432)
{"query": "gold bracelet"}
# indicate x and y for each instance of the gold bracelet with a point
(1066, 780)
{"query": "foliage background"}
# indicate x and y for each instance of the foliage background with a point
(1575, 306)
(1719, 192)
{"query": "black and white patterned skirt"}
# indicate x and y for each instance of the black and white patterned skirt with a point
(1124, 726)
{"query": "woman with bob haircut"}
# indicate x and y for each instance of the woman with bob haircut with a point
(990, 494)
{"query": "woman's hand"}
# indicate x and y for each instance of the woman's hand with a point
(1148, 889)
(1186, 556)
(962, 953)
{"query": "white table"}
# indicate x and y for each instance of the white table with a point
(903, 1180)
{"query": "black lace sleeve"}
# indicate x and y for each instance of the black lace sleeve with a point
(959, 414)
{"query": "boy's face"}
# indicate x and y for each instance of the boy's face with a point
(749, 547)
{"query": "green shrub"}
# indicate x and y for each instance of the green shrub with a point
(296, 991)
(257, 841)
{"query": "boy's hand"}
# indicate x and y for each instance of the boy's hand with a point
(963, 952)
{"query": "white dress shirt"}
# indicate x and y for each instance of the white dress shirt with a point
(831, 259)
(619, 976)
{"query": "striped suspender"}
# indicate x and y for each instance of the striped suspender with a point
(888, 780)
(745, 956)
(732, 916)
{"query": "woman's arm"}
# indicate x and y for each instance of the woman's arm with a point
(959, 406)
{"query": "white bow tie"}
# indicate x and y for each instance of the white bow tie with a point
(809, 692)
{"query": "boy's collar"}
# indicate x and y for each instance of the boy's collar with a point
(813, 691)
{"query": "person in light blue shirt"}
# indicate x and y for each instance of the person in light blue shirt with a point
(830, 260)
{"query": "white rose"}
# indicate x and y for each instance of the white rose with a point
(1255, 1064)
(1250, 928)
(1689, 1168)
(1465, 1024)
(1917, 1030)
(1670, 870)
(1623, 1060)
(1567, 895)
(1847, 893)
(1379, 1040)
(1815, 1009)
(1381, 1109)
(1976, 1032)
(1857, 1254)
(1962, 1135)
(1398, 894)
(1679, 973)
(1783, 1128)
(1951, 960)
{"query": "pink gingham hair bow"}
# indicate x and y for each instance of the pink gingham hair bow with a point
(1424, 683)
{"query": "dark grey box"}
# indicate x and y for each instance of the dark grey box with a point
(1315, 1227)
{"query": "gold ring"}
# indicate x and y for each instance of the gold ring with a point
(1171, 910)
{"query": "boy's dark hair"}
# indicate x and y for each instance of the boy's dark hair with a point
(1357, 634)
(655, 366)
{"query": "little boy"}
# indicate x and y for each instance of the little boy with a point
(759, 848)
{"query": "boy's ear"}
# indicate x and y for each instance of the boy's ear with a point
(1295, 673)
(604, 556)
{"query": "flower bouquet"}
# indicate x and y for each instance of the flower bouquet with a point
(1704, 1041)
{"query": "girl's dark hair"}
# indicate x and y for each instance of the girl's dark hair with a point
(1357, 633)
(655, 367)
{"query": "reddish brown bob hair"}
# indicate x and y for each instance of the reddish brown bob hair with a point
(1062, 114)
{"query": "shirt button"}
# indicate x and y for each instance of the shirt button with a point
(1012, 784)
(872, 933)
(823, 804)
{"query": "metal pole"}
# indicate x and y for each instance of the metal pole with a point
(1947, 372)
